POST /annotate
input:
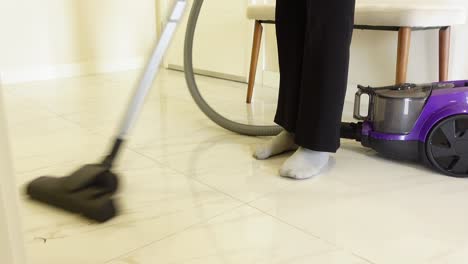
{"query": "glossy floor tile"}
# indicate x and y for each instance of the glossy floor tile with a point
(243, 235)
(387, 216)
(149, 213)
(191, 191)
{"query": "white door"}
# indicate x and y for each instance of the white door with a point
(11, 237)
(222, 43)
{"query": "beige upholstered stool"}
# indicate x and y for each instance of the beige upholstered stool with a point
(400, 17)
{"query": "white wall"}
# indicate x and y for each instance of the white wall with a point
(56, 38)
(223, 42)
(373, 55)
(459, 65)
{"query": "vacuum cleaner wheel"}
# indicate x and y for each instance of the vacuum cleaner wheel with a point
(447, 146)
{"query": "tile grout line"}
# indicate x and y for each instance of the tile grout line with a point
(363, 258)
(248, 204)
(156, 161)
(198, 181)
(173, 234)
(337, 247)
(242, 203)
(192, 178)
(293, 226)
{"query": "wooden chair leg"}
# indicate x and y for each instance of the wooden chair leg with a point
(404, 43)
(444, 53)
(257, 40)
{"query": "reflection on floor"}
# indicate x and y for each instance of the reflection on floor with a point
(193, 194)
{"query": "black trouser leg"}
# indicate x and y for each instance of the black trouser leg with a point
(313, 43)
(290, 35)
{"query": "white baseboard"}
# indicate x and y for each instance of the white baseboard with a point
(219, 75)
(47, 72)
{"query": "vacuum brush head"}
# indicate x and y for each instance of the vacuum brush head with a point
(88, 191)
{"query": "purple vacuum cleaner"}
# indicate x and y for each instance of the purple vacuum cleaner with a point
(426, 123)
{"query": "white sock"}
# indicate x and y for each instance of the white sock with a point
(277, 145)
(304, 164)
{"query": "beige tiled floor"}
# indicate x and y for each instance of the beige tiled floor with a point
(192, 193)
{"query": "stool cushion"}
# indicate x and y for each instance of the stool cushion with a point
(409, 15)
(398, 14)
(263, 11)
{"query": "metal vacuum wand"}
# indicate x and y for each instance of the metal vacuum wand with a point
(89, 191)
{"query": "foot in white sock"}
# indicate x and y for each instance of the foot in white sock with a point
(279, 144)
(304, 164)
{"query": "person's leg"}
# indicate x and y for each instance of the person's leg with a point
(290, 33)
(325, 66)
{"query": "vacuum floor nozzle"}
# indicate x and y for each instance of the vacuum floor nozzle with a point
(88, 191)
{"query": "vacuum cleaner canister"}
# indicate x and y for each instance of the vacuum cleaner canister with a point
(426, 122)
